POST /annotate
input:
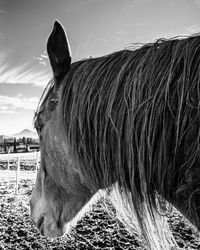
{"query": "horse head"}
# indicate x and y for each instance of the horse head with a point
(59, 191)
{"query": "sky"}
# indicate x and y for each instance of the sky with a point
(93, 27)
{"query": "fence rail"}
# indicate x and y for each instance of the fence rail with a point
(18, 158)
(30, 155)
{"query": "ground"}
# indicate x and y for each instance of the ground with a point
(99, 229)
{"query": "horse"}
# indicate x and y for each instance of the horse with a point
(129, 121)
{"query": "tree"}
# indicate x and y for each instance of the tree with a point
(24, 140)
(27, 144)
(5, 145)
(15, 145)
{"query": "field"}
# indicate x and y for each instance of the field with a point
(99, 229)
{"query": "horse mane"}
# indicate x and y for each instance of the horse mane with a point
(133, 117)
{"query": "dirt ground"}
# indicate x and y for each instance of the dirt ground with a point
(97, 230)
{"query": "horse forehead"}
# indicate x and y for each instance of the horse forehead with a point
(48, 97)
(44, 112)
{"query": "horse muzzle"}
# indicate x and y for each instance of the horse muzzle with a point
(48, 227)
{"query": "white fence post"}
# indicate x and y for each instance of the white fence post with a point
(37, 161)
(17, 175)
(8, 171)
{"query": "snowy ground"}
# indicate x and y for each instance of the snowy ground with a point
(99, 229)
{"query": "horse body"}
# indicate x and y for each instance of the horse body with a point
(131, 117)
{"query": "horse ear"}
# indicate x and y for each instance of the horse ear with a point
(59, 53)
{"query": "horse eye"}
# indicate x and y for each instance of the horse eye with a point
(54, 100)
(53, 103)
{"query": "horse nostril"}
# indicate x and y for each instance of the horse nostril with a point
(40, 222)
(59, 223)
(42, 230)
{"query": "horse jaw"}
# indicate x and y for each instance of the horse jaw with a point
(68, 219)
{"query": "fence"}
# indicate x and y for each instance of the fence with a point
(18, 159)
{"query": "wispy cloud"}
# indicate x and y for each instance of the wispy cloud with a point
(82, 47)
(7, 110)
(12, 104)
(195, 28)
(33, 72)
(42, 59)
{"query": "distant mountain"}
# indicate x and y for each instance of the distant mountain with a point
(26, 133)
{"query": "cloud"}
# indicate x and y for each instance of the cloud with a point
(42, 59)
(12, 104)
(195, 28)
(7, 110)
(33, 72)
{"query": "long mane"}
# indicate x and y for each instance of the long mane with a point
(133, 117)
